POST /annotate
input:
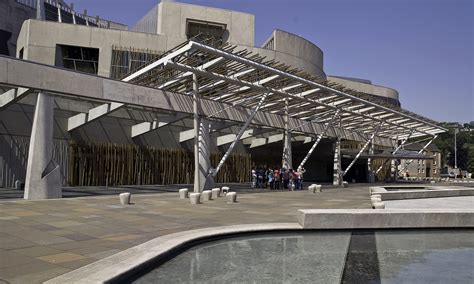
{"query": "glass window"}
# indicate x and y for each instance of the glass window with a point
(198, 30)
(78, 58)
(51, 12)
(66, 17)
(80, 21)
(126, 60)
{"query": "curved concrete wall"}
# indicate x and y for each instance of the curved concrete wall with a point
(296, 51)
(391, 95)
(289, 59)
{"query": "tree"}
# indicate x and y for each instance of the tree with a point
(465, 145)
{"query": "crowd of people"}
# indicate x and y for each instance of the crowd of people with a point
(279, 178)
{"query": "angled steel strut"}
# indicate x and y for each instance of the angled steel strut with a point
(363, 148)
(214, 172)
(320, 136)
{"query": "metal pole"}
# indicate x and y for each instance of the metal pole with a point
(320, 136)
(363, 149)
(214, 172)
(455, 149)
(39, 9)
(287, 151)
(197, 181)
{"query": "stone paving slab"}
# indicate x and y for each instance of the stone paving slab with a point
(460, 202)
(44, 239)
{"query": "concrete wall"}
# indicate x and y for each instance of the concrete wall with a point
(391, 95)
(148, 23)
(39, 40)
(285, 43)
(172, 18)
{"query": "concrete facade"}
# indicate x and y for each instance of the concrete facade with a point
(169, 18)
(385, 93)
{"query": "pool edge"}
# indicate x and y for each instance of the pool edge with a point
(117, 265)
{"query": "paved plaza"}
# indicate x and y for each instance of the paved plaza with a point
(40, 240)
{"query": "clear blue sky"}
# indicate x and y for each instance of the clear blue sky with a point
(422, 48)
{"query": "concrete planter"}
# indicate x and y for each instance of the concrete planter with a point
(225, 189)
(206, 195)
(125, 198)
(216, 192)
(379, 205)
(195, 198)
(183, 193)
(314, 188)
(231, 197)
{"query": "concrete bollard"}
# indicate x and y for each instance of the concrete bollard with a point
(231, 197)
(379, 205)
(345, 184)
(375, 200)
(206, 195)
(125, 198)
(183, 193)
(225, 189)
(317, 188)
(195, 198)
(216, 192)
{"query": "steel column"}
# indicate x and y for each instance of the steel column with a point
(287, 162)
(337, 173)
(196, 122)
(370, 172)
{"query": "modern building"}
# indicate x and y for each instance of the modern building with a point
(100, 140)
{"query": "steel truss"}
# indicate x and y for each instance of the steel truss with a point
(235, 76)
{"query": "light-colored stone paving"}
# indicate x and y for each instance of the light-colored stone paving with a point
(40, 240)
(458, 202)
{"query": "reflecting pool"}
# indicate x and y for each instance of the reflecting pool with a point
(383, 256)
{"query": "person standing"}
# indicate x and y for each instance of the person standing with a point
(260, 176)
(296, 179)
(253, 174)
(301, 175)
(276, 176)
(270, 178)
(291, 180)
